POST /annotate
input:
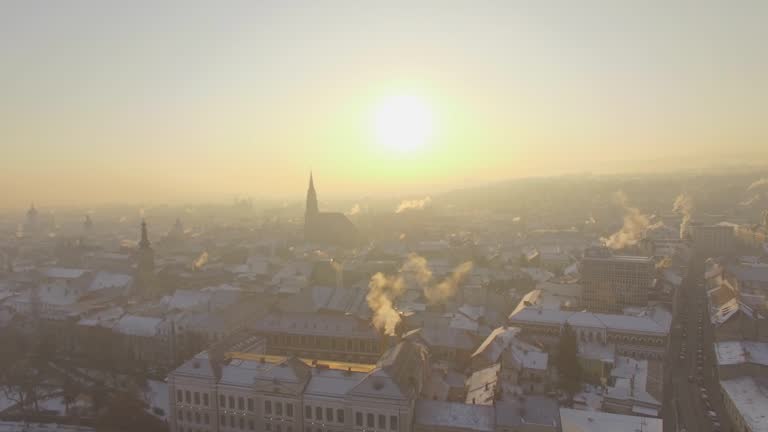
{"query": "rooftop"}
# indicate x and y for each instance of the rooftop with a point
(645, 324)
(738, 352)
(750, 397)
(455, 415)
(596, 421)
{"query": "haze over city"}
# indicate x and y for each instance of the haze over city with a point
(338, 216)
(110, 102)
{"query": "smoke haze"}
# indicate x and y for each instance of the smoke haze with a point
(635, 225)
(384, 290)
(421, 204)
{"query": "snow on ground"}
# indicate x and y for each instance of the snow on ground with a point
(157, 398)
(55, 404)
(5, 403)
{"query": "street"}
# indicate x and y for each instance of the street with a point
(693, 399)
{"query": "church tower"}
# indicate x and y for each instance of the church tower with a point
(145, 268)
(311, 209)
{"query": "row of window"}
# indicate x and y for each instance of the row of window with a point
(278, 408)
(241, 402)
(319, 416)
(374, 421)
(189, 397)
(240, 423)
(198, 418)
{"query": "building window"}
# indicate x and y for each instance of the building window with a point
(179, 396)
(188, 396)
(240, 403)
(369, 420)
(189, 416)
(267, 426)
(289, 409)
(340, 415)
(279, 408)
(206, 419)
(358, 419)
(329, 414)
(250, 404)
(223, 420)
(250, 425)
(197, 417)
(232, 421)
(308, 412)
(392, 422)
(222, 401)
(181, 415)
(318, 413)
(267, 407)
(231, 402)
(242, 423)
(205, 399)
(382, 421)
(197, 398)
(278, 428)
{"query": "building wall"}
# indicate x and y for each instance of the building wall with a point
(244, 408)
(326, 347)
(612, 284)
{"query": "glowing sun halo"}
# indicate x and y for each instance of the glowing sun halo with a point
(403, 123)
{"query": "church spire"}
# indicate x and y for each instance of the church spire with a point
(311, 208)
(144, 243)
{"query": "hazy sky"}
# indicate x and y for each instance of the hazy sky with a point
(104, 101)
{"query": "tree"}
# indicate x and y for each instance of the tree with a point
(568, 367)
(70, 391)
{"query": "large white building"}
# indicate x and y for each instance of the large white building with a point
(287, 394)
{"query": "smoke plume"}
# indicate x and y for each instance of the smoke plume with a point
(683, 206)
(201, 261)
(421, 204)
(635, 225)
(355, 210)
(447, 288)
(758, 184)
(384, 290)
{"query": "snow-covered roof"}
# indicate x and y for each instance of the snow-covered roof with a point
(738, 352)
(104, 318)
(135, 325)
(63, 273)
(482, 385)
(332, 382)
(750, 398)
(186, 299)
(595, 421)
(109, 280)
(645, 324)
(440, 414)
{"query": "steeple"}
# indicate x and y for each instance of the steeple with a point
(144, 243)
(145, 266)
(311, 208)
(32, 212)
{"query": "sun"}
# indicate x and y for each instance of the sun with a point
(403, 123)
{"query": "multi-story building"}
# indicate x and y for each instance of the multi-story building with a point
(321, 336)
(613, 282)
(644, 336)
(716, 239)
(742, 368)
(287, 394)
